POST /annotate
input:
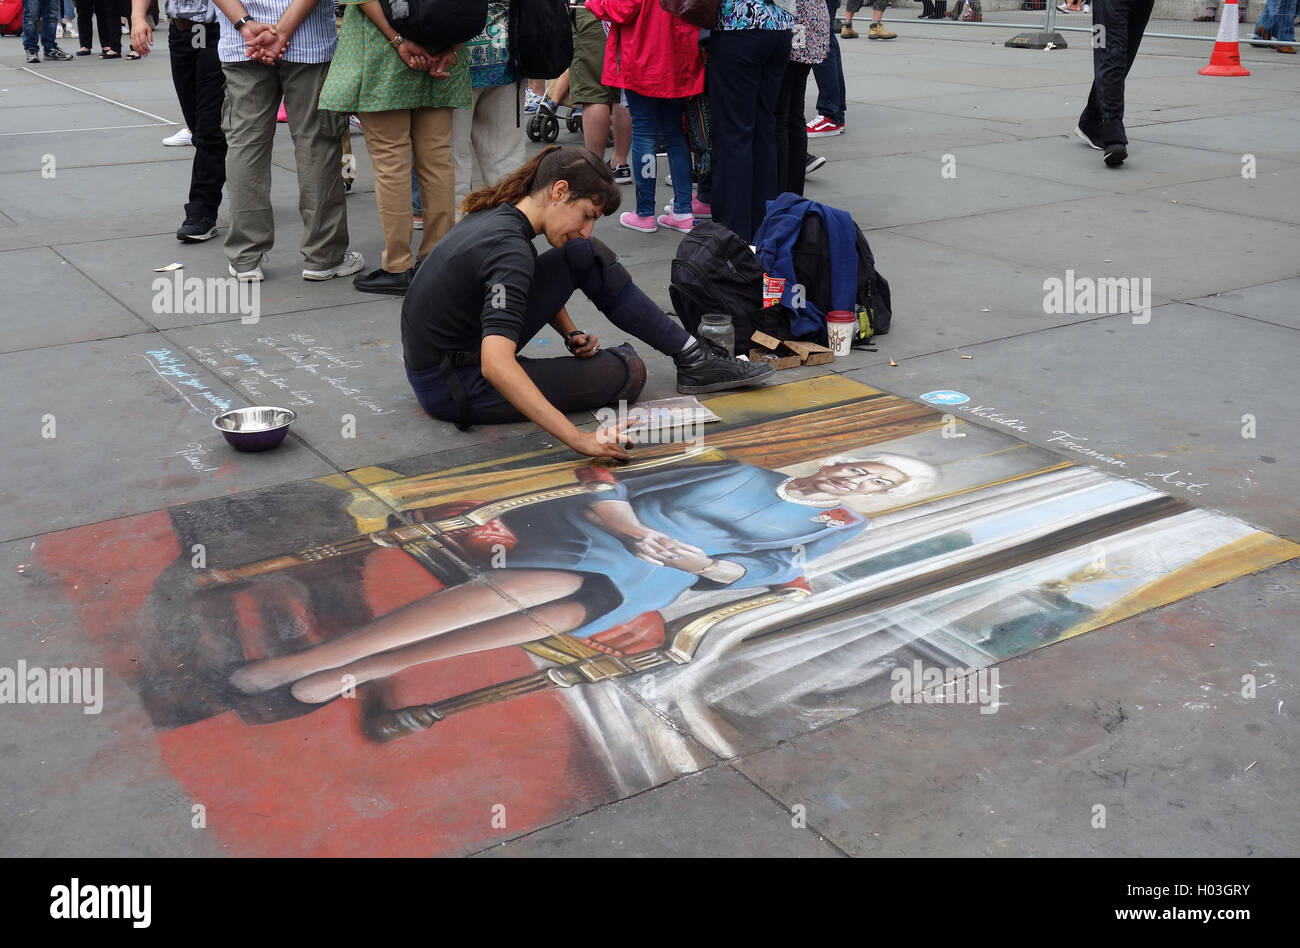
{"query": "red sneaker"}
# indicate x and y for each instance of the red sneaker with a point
(822, 127)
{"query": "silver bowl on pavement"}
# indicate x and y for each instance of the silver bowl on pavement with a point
(254, 429)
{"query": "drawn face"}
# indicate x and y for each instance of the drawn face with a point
(569, 219)
(850, 478)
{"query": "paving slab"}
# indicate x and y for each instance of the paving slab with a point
(1257, 134)
(1145, 720)
(82, 311)
(142, 438)
(715, 813)
(1253, 197)
(1269, 302)
(1108, 235)
(1179, 431)
(1067, 160)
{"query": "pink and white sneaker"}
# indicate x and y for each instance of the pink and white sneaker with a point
(683, 223)
(644, 224)
(698, 208)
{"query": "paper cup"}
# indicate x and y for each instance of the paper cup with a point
(841, 329)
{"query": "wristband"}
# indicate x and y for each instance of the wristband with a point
(576, 332)
(242, 22)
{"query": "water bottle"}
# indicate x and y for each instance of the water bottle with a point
(717, 327)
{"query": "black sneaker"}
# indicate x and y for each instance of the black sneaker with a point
(381, 281)
(622, 174)
(813, 163)
(55, 54)
(1086, 138)
(707, 367)
(1116, 152)
(197, 231)
(33, 56)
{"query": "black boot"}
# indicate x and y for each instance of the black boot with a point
(707, 367)
(940, 9)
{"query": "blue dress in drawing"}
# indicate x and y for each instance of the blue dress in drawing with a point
(732, 511)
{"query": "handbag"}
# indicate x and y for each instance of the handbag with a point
(701, 13)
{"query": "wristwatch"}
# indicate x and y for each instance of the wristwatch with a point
(397, 41)
(242, 22)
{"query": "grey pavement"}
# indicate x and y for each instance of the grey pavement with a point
(1145, 715)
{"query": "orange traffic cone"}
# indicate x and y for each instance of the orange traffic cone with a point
(1226, 59)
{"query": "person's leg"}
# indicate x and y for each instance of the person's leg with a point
(595, 127)
(50, 10)
(796, 129)
(878, 30)
(388, 140)
(248, 122)
(783, 133)
(431, 154)
(829, 75)
(318, 155)
(498, 146)
(733, 75)
(774, 53)
(850, 7)
(622, 122)
(207, 92)
(645, 126)
(457, 608)
(679, 153)
(107, 24)
(86, 22)
(462, 147)
(31, 25)
(1103, 117)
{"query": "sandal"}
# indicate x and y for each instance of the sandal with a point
(109, 54)
(84, 51)
(132, 55)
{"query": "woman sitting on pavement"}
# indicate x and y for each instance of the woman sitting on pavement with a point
(484, 293)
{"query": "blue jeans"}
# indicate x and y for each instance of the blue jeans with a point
(417, 208)
(1279, 19)
(47, 11)
(829, 74)
(652, 118)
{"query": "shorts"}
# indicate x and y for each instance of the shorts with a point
(853, 6)
(585, 87)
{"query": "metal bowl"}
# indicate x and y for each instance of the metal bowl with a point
(254, 429)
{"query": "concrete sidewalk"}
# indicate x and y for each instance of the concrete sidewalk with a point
(959, 162)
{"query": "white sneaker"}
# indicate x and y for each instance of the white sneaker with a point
(254, 275)
(352, 263)
(183, 137)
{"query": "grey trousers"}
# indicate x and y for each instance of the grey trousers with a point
(253, 93)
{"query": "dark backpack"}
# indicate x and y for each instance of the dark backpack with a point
(540, 33)
(714, 271)
(813, 249)
(436, 24)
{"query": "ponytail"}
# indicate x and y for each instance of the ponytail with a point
(587, 176)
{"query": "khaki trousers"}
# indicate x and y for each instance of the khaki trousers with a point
(253, 93)
(396, 139)
(486, 131)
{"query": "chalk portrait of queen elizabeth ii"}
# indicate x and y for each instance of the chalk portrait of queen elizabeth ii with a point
(587, 563)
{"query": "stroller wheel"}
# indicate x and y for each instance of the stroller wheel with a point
(574, 123)
(552, 129)
(534, 127)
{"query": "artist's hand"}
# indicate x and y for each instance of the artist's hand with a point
(584, 346)
(441, 63)
(606, 443)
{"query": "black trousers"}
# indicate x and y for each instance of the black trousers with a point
(109, 15)
(745, 70)
(1124, 20)
(569, 383)
(791, 129)
(201, 89)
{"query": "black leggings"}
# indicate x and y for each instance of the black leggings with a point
(569, 383)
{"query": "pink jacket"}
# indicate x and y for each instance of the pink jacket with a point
(649, 50)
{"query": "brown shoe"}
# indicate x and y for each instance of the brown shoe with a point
(1286, 49)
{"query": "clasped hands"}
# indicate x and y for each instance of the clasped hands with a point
(263, 43)
(437, 65)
